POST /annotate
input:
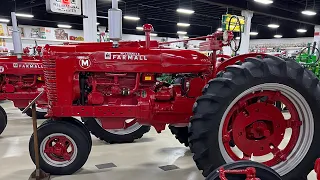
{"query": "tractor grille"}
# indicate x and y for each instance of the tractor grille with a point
(49, 67)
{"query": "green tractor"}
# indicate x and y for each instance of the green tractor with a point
(309, 58)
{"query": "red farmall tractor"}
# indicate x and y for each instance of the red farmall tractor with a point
(232, 105)
(21, 81)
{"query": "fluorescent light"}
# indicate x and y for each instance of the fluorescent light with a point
(185, 37)
(264, 1)
(301, 30)
(182, 32)
(24, 15)
(238, 38)
(4, 20)
(254, 33)
(274, 26)
(277, 36)
(98, 23)
(183, 24)
(153, 34)
(103, 17)
(133, 18)
(308, 12)
(219, 29)
(64, 26)
(185, 11)
(139, 28)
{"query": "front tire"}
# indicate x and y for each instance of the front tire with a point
(40, 114)
(234, 108)
(181, 134)
(128, 135)
(63, 148)
(3, 120)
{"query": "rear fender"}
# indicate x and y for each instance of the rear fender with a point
(235, 59)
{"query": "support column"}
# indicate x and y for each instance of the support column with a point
(245, 36)
(317, 36)
(90, 23)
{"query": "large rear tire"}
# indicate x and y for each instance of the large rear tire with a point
(3, 120)
(181, 134)
(239, 107)
(63, 148)
(128, 135)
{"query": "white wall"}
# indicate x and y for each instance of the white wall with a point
(281, 41)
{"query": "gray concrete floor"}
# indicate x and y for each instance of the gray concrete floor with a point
(136, 161)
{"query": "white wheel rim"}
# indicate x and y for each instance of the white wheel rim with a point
(306, 130)
(52, 162)
(133, 128)
(41, 110)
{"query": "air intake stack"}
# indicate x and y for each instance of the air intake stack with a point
(115, 23)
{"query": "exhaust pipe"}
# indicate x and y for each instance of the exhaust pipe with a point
(16, 37)
(115, 23)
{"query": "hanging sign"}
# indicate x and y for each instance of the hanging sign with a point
(236, 23)
(72, 7)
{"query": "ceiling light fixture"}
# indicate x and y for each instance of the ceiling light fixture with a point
(103, 17)
(183, 24)
(133, 18)
(274, 26)
(264, 1)
(219, 29)
(24, 15)
(237, 38)
(98, 23)
(139, 28)
(153, 34)
(301, 30)
(4, 20)
(64, 26)
(185, 11)
(309, 12)
(277, 36)
(254, 33)
(182, 32)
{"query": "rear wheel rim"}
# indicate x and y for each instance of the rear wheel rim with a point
(58, 150)
(131, 126)
(284, 160)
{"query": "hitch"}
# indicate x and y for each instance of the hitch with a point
(250, 172)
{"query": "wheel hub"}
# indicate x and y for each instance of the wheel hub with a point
(59, 148)
(256, 127)
(253, 135)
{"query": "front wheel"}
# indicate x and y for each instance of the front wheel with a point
(236, 118)
(131, 132)
(40, 113)
(181, 134)
(63, 148)
(3, 119)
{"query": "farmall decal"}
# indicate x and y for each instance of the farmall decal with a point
(130, 56)
(85, 63)
(27, 65)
